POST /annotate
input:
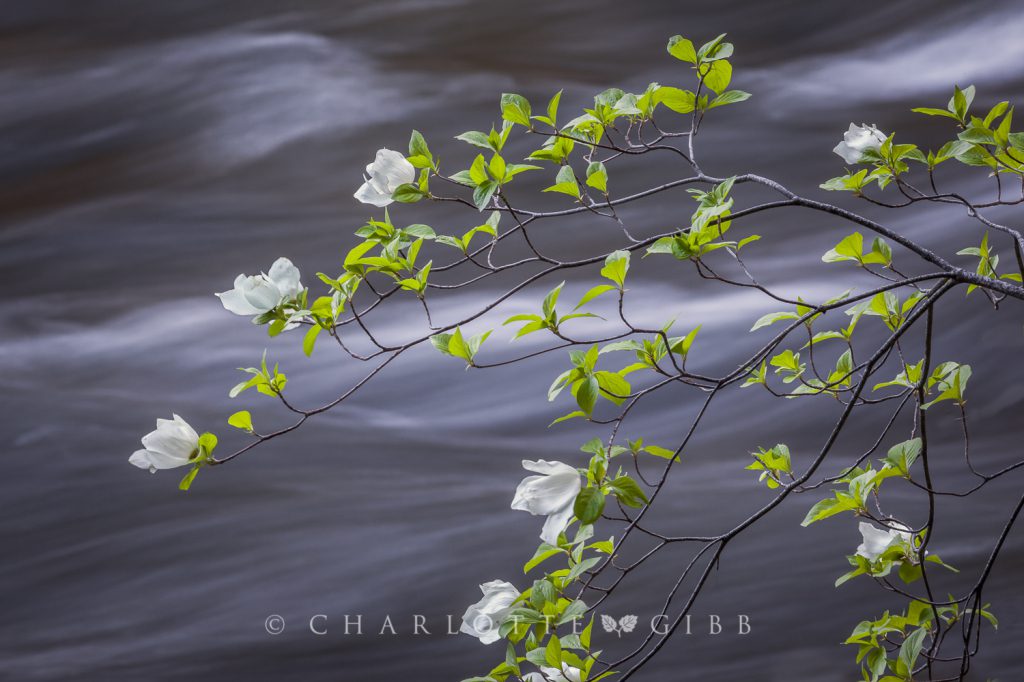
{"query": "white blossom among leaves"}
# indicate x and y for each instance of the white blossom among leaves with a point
(566, 674)
(388, 170)
(857, 140)
(550, 494)
(258, 294)
(483, 619)
(173, 444)
(876, 541)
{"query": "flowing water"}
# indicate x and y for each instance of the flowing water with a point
(151, 151)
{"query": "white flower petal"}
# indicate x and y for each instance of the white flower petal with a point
(548, 493)
(285, 277)
(394, 167)
(156, 460)
(170, 445)
(544, 467)
(261, 293)
(369, 194)
(857, 140)
(388, 170)
(555, 524)
(483, 619)
(167, 444)
(140, 458)
(875, 542)
(234, 300)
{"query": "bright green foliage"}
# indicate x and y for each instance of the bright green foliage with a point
(268, 382)
(851, 248)
(949, 381)
(616, 265)
(987, 261)
(887, 306)
(241, 420)
(549, 317)
(910, 377)
(565, 183)
(707, 226)
(649, 353)
(588, 384)
(462, 243)
(457, 346)
(774, 465)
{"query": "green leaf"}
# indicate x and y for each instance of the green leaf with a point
(310, 339)
(935, 112)
(616, 265)
(580, 568)
(718, 75)
(588, 505)
(241, 420)
(772, 318)
(586, 394)
(483, 193)
(419, 153)
(682, 49)
(515, 109)
(408, 193)
(614, 386)
(729, 97)
(597, 176)
(186, 482)
(565, 183)
(658, 451)
(829, 507)
(849, 249)
(553, 653)
(548, 305)
(207, 444)
(476, 138)
(911, 648)
(628, 492)
(552, 116)
(543, 553)
(565, 417)
(679, 101)
(903, 455)
(594, 293)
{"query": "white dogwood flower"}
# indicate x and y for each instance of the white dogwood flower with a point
(173, 444)
(566, 674)
(388, 170)
(876, 540)
(550, 494)
(258, 294)
(857, 140)
(483, 619)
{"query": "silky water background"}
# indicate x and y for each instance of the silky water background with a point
(151, 151)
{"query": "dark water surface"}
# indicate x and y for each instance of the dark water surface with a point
(151, 151)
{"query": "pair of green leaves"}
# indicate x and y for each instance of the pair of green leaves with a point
(456, 345)
(203, 453)
(266, 381)
(590, 502)
(773, 464)
(616, 266)
(851, 249)
(587, 384)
